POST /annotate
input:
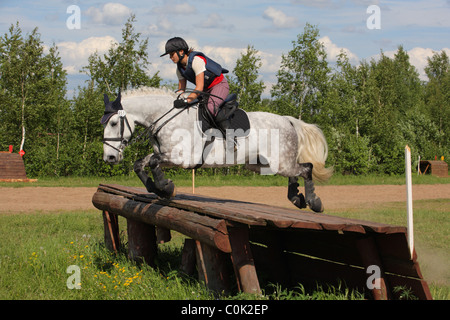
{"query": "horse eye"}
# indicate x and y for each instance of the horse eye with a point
(113, 124)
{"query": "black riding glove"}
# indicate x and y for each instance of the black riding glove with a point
(179, 104)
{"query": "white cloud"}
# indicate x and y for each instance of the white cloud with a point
(111, 13)
(162, 28)
(74, 55)
(171, 8)
(333, 51)
(279, 19)
(215, 21)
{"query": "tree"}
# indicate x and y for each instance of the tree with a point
(32, 90)
(123, 67)
(346, 120)
(437, 95)
(245, 83)
(125, 64)
(303, 77)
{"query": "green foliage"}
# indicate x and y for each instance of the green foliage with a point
(303, 77)
(368, 111)
(245, 83)
(124, 67)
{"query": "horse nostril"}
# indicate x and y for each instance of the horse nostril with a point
(112, 159)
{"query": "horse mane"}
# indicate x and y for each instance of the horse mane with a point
(148, 91)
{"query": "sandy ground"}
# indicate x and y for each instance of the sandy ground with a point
(32, 199)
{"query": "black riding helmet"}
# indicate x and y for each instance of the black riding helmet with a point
(176, 44)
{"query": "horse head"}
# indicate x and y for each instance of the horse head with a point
(117, 130)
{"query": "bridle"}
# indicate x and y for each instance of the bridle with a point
(123, 142)
(151, 129)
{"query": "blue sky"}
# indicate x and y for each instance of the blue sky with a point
(223, 29)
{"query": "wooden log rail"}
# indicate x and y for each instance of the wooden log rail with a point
(258, 242)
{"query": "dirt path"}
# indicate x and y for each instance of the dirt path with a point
(32, 199)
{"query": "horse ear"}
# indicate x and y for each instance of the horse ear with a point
(116, 104)
(105, 99)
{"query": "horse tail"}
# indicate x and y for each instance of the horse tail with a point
(312, 147)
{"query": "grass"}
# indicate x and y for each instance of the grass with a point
(37, 249)
(185, 180)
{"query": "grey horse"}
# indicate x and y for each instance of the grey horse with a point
(274, 144)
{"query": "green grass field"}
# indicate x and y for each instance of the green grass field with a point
(36, 249)
(185, 180)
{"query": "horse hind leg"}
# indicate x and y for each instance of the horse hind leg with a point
(310, 198)
(293, 194)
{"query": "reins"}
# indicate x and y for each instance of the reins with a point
(151, 129)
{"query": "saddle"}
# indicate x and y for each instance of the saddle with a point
(228, 117)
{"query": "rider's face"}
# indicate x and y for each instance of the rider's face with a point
(175, 57)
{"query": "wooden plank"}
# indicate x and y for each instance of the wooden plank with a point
(243, 263)
(369, 254)
(141, 242)
(163, 235)
(111, 231)
(417, 287)
(329, 245)
(258, 214)
(188, 257)
(310, 271)
(212, 267)
(200, 204)
(339, 245)
(208, 230)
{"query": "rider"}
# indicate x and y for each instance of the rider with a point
(196, 67)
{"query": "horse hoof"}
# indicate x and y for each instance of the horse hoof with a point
(299, 201)
(168, 191)
(174, 193)
(316, 205)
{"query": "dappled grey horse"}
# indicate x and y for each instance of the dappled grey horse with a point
(274, 144)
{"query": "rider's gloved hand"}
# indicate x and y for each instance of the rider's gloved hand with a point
(180, 103)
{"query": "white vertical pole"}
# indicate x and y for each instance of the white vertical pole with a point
(409, 206)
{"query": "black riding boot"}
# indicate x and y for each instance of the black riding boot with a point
(230, 138)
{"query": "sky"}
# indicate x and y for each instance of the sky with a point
(224, 29)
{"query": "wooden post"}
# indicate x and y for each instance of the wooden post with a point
(163, 235)
(141, 242)
(243, 263)
(188, 257)
(111, 231)
(211, 267)
(368, 251)
(278, 265)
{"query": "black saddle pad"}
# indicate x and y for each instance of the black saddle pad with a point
(238, 120)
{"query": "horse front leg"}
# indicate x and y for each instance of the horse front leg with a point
(312, 200)
(164, 188)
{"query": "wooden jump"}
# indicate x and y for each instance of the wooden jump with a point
(437, 168)
(12, 168)
(261, 242)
